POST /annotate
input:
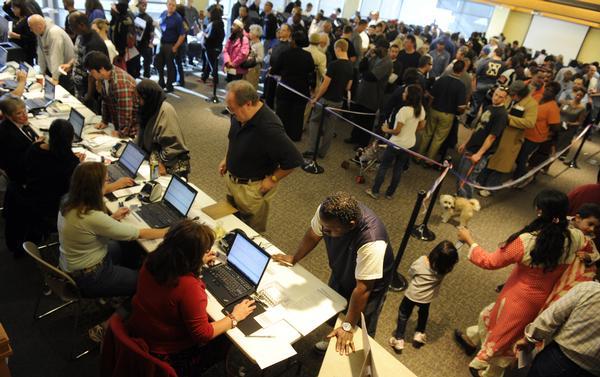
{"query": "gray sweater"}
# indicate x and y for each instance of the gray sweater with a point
(54, 48)
(165, 137)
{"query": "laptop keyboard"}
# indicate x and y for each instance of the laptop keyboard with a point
(231, 281)
(157, 215)
(115, 172)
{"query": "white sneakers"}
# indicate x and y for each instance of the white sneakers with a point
(396, 344)
(371, 194)
(419, 339)
(485, 193)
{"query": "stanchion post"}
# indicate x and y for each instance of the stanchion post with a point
(573, 162)
(422, 232)
(313, 167)
(399, 283)
(213, 65)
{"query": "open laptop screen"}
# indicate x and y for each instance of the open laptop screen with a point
(180, 195)
(77, 121)
(49, 90)
(132, 158)
(248, 258)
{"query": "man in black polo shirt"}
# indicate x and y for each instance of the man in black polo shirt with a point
(259, 154)
(360, 257)
(337, 81)
(449, 99)
(409, 57)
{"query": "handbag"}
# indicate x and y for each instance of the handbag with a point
(249, 63)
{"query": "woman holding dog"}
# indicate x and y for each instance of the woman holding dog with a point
(409, 119)
(541, 252)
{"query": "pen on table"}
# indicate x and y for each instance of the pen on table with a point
(261, 336)
(285, 263)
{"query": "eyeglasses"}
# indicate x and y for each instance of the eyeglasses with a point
(228, 110)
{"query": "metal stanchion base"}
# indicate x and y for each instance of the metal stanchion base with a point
(313, 168)
(213, 100)
(572, 164)
(398, 283)
(421, 232)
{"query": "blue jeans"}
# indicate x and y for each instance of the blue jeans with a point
(110, 279)
(552, 362)
(395, 158)
(463, 169)
(371, 311)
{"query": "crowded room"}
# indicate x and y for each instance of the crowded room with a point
(169, 168)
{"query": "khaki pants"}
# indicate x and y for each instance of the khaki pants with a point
(252, 75)
(253, 206)
(438, 127)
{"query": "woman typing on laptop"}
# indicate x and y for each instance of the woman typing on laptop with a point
(88, 234)
(169, 307)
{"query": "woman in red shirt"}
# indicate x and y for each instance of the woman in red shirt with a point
(169, 307)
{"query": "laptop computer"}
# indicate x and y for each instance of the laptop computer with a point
(128, 164)
(246, 265)
(174, 206)
(49, 95)
(77, 120)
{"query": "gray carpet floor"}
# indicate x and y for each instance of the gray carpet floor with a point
(41, 347)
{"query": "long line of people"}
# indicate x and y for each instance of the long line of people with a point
(417, 85)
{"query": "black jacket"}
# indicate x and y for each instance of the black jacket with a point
(13, 148)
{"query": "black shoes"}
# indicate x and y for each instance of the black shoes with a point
(466, 346)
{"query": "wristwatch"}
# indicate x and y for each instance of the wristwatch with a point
(347, 327)
(234, 321)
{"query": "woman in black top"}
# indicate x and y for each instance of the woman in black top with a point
(213, 44)
(21, 34)
(48, 168)
(297, 70)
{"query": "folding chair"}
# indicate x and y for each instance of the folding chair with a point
(63, 286)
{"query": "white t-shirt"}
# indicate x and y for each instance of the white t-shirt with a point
(369, 257)
(407, 136)
(112, 50)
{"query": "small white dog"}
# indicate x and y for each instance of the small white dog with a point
(456, 205)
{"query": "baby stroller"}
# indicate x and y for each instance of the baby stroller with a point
(366, 158)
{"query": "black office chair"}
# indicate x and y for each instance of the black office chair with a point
(63, 286)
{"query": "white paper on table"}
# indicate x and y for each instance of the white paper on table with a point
(266, 351)
(281, 330)
(270, 316)
(127, 191)
(96, 141)
(304, 311)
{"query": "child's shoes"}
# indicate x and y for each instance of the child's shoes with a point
(419, 339)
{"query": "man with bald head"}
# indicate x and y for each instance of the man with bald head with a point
(54, 48)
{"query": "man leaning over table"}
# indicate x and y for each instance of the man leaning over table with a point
(361, 261)
(259, 154)
(55, 48)
(120, 101)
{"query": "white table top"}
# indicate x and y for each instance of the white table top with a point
(386, 365)
(307, 301)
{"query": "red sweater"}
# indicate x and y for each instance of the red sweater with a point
(170, 319)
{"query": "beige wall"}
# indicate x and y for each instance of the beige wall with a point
(516, 26)
(350, 6)
(590, 49)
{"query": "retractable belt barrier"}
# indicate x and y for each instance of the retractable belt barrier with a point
(447, 167)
